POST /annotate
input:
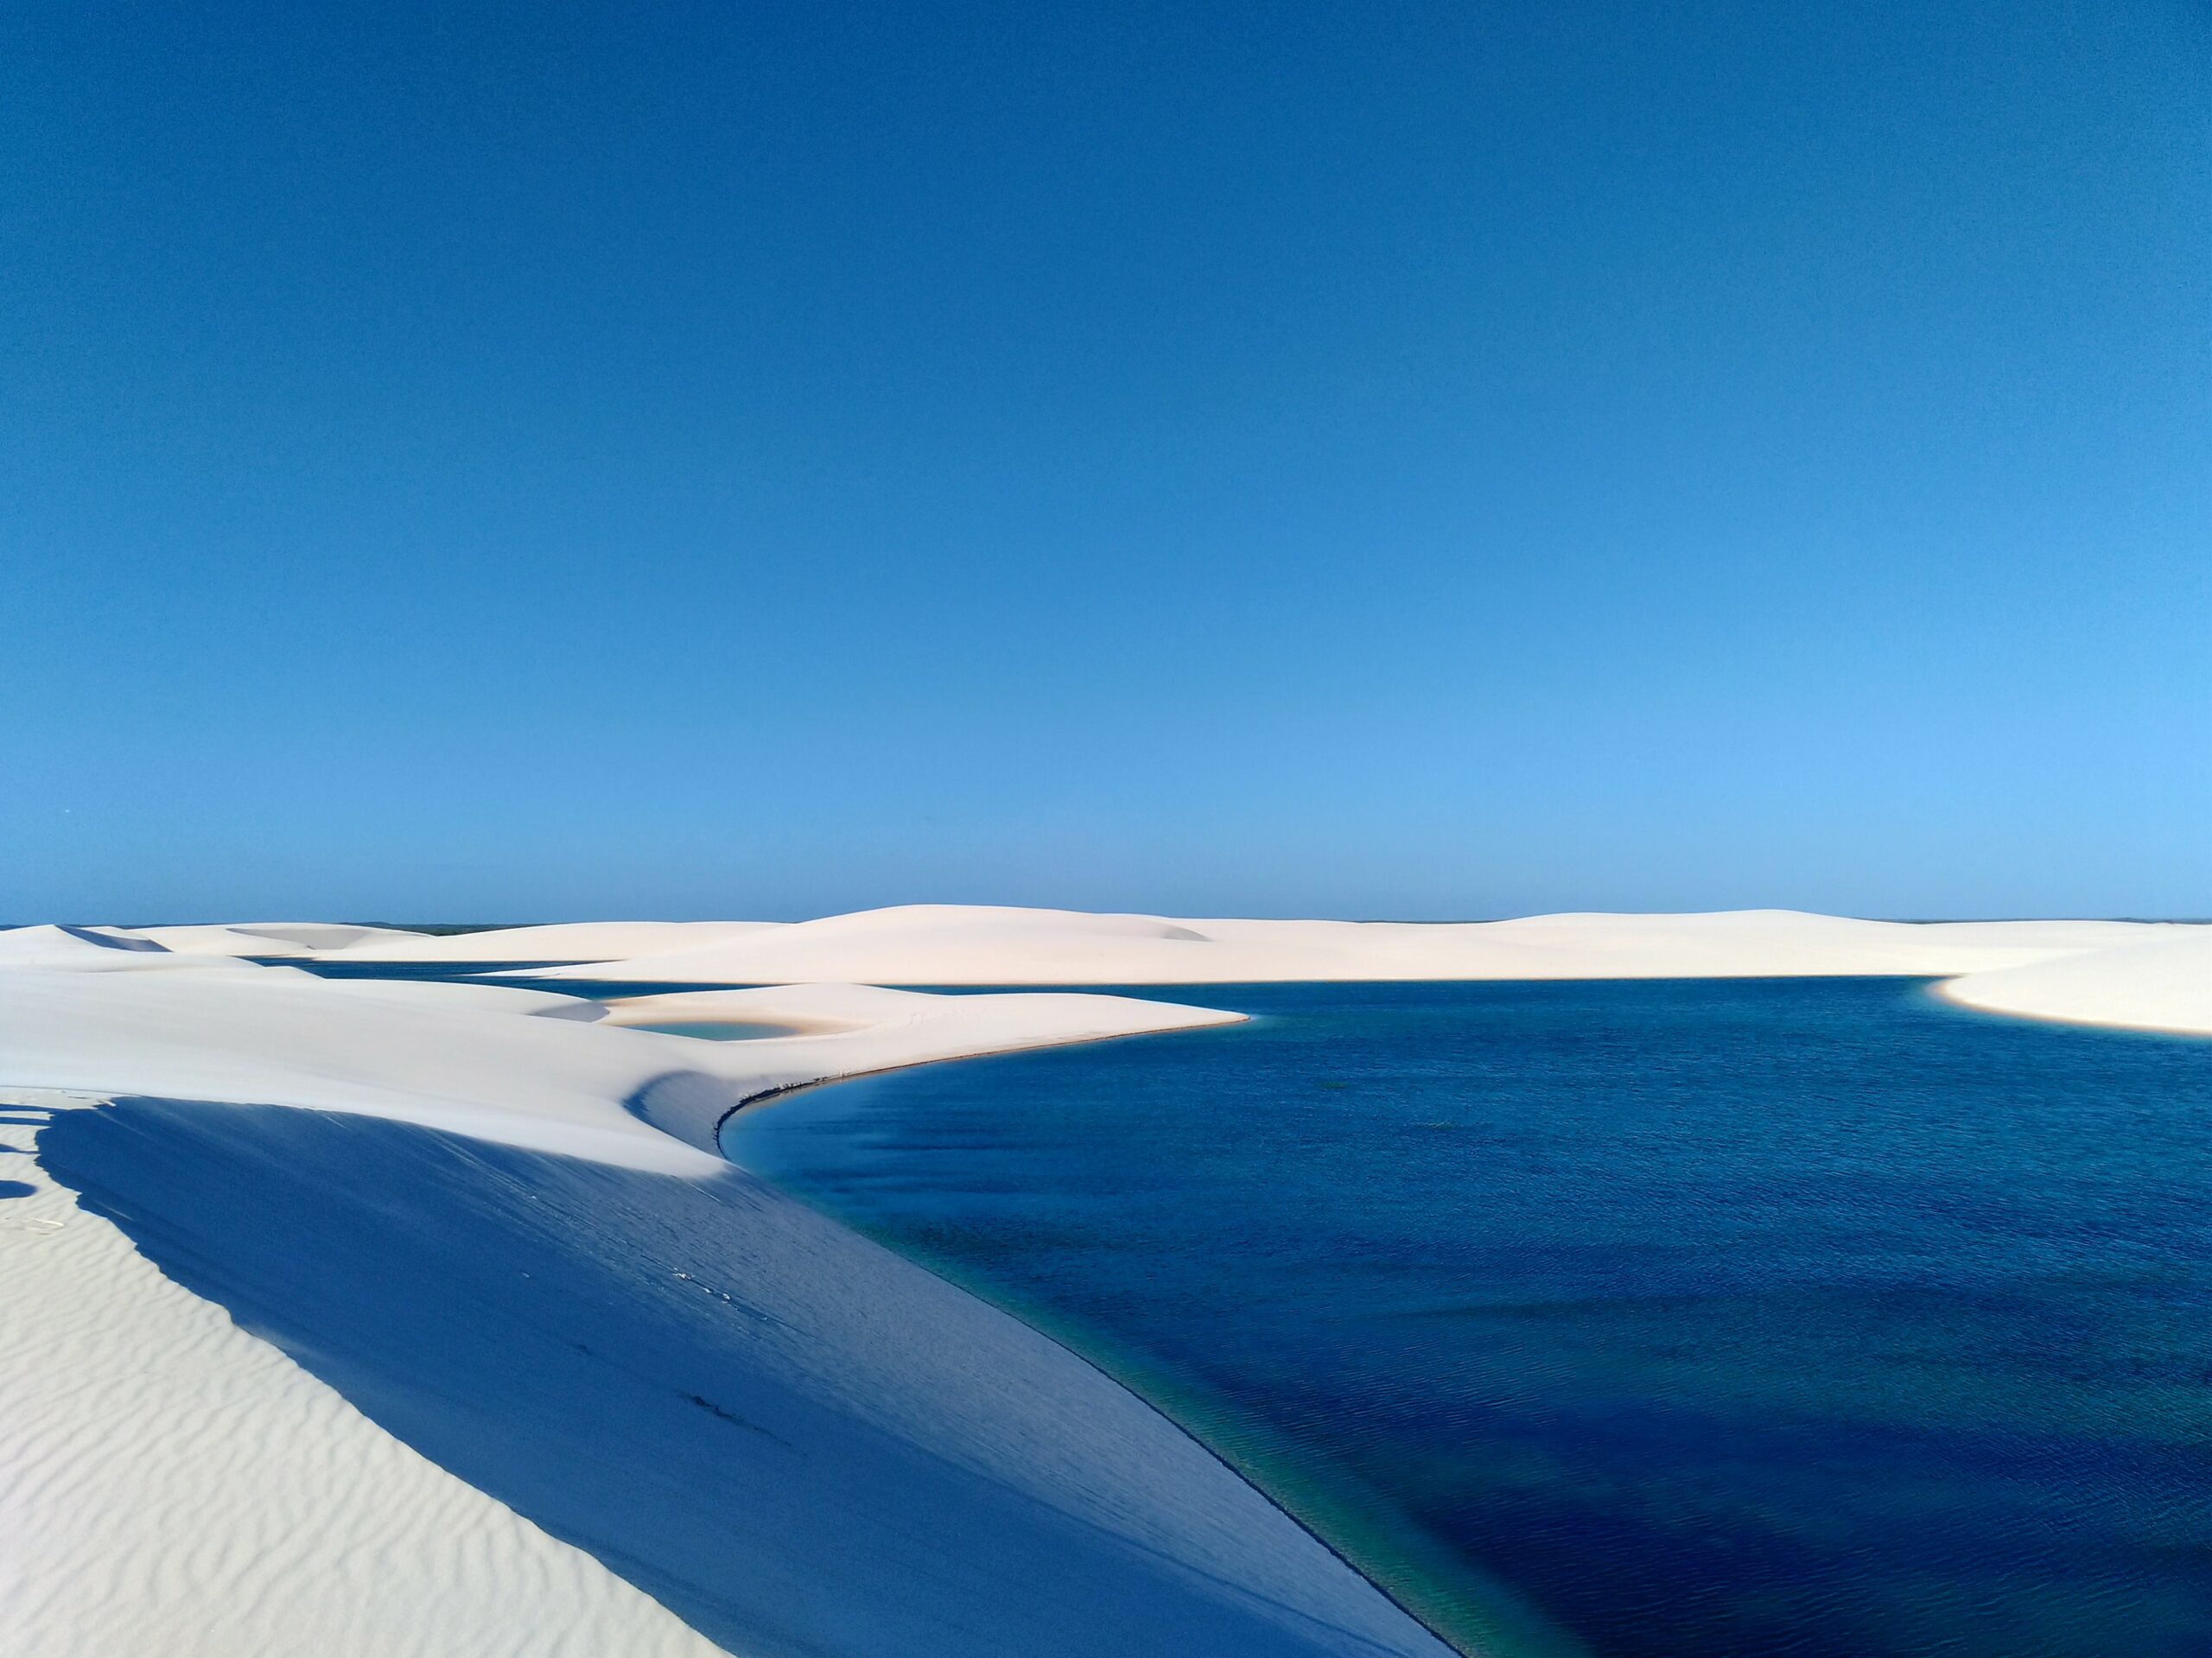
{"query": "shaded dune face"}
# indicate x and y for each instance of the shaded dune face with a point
(798, 1442)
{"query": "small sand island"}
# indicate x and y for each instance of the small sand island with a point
(402, 1315)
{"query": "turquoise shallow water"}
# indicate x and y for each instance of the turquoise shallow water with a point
(1734, 1319)
(718, 1030)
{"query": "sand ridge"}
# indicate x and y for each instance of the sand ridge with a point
(982, 944)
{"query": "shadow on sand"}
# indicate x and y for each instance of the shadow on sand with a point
(795, 1440)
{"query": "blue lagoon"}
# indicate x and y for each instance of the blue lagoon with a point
(1733, 1319)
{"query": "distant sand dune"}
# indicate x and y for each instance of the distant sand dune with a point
(267, 937)
(975, 944)
(937, 944)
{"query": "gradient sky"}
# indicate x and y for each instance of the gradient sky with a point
(496, 463)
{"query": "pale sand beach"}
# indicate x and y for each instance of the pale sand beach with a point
(383, 1317)
(2159, 984)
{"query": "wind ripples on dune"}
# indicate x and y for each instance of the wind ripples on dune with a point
(169, 1484)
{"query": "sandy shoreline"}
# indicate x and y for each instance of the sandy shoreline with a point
(2162, 985)
(486, 1350)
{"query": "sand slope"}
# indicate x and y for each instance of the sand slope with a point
(90, 950)
(799, 1442)
(266, 938)
(2161, 985)
(566, 941)
(170, 1484)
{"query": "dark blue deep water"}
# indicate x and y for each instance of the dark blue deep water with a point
(1703, 1319)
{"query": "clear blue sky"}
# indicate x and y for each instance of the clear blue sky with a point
(465, 462)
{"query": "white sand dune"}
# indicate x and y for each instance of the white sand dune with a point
(171, 1484)
(940, 944)
(474, 1058)
(270, 1036)
(566, 941)
(266, 938)
(2161, 985)
(97, 949)
(472, 1246)
(88, 948)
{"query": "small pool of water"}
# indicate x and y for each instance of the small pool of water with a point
(716, 1030)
